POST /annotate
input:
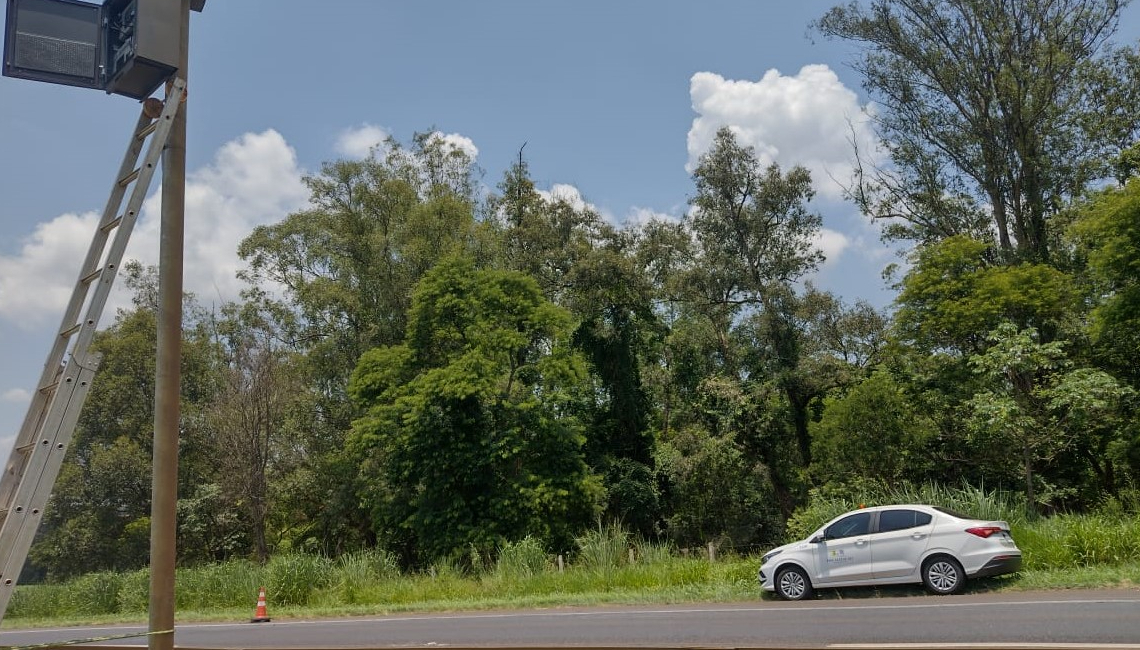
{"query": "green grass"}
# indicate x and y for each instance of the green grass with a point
(676, 580)
(610, 567)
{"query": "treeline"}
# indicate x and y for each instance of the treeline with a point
(448, 373)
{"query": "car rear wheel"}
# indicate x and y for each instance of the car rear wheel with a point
(943, 575)
(793, 584)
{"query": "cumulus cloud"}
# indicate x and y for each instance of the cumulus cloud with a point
(252, 180)
(809, 119)
(568, 194)
(832, 243)
(36, 282)
(459, 142)
(639, 216)
(572, 196)
(359, 141)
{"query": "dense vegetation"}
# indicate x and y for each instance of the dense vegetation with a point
(421, 373)
(605, 565)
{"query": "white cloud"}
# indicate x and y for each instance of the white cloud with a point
(253, 180)
(808, 119)
(358, 142)
(832, 243)
(16, 396)
(568, 194)
(638, 216)
(37, 281)
(460, 142)
(572, 196)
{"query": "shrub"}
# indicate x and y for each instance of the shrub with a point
(356, 573)
(604, 548)
(521, 559)
(94, 593)
(291, 579)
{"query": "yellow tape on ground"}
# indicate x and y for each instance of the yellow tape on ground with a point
(55, 644)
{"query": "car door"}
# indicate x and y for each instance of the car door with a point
(899, 541)
(844, 553)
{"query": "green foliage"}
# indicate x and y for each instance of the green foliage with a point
(95, 593)
(229, 584)
(952, 296)
(293, 578)
(603, 549)
(469, 434)
(1066, 541)
(1036, 403)
(1108, 233)
(521, 559)
(993, 113)
(830, 501)
(716, 493)
(355, 573)
(872, 431)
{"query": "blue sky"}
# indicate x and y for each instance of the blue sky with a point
(615, 100)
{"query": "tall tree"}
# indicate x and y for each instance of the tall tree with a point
(469, 438)
(250, 416)
(989, 112)
(754, 237)
(754, 233)
(618, 332)
(1108, 234)
(348, 265)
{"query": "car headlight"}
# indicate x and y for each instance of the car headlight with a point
(768, 556)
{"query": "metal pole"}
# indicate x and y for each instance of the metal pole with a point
(167, 385)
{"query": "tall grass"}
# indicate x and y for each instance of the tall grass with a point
(969, 500)
(600, 571)
(1067, 541)
(603, 549)
(521, 559)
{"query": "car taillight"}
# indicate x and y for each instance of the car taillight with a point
(983, 531)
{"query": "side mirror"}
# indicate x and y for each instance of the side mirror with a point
(817, 539)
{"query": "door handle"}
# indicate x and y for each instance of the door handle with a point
(860, 542)
(917, 535)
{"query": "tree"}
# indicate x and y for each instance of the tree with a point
(1108, 234)
(469, 438)
(952, 297)
(617, 331)
(990, 112)
(98, 516)
(1038, 405)
(716, 493)
(348, 265)
(542, 237)
(753, 230)
(872, 431)
(250, 416)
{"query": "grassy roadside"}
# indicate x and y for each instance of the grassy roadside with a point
(608, 567)
(675, 582)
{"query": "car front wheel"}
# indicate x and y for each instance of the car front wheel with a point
(793, 584)
(943, 575)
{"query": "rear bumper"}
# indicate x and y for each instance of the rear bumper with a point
(998, 565)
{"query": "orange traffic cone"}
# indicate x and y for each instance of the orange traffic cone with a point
(260, 615)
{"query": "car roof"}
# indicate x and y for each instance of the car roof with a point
(895, 506)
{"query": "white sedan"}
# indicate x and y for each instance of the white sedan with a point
(887, 545)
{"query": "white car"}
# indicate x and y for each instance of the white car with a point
(887, 545)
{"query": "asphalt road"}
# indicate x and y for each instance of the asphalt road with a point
(1100, 617)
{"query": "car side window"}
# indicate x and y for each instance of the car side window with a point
(850, 526)
(901, 520)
